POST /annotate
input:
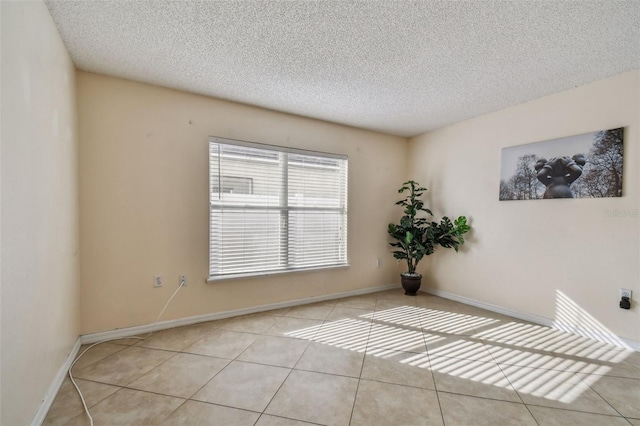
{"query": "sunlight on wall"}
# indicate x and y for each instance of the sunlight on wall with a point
(572, 318)
(533, 359)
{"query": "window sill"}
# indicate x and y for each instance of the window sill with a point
(270, 273)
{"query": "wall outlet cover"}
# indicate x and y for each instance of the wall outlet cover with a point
(624, 292)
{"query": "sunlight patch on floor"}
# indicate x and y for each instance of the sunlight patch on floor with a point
(540, 361)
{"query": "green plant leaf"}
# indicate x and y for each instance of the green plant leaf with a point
(415, 236)
(408, 237)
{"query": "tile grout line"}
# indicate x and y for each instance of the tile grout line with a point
(544, 406)
(364, 358)
(510, 383)
(175, 353)
(289, 374)
(208, 381)
(433, 377)
(548, 339)
(597, 393)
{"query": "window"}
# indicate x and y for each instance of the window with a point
(275, 209)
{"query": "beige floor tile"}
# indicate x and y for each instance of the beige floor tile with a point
(314, 311)
(545, 360)
(393, 292)
(434, 320)
(619, 369)
(459, 410)
(254, 323)
(564, 379)
(401, 315)
(383, 305)
(180, 376)
(243, 385)
(631, 357)
(267, 420)
(439, 303)
(315, 397)
(599, 359)
(623, 394)
(123, 367)
(278, 351)
(590, 345)
(96, 353)
(473, 378)
(397, 297)
(457, 347)
(222, 344)
(341, 313)
(596, 351)
(556, 389)
(396, 338)
(67, 403)
(346, 333)
(401, 368)
(532, 336)
(175, 339)
(407, 317)
(555, 417)
(193, 413)
(128, 341)
(131, 407)
(599, 351)
(79, 420)
(578, 346)
(324, 358)
(386, 404)
(483, 313)
(278, 312)
(367, 302)
(297, 328)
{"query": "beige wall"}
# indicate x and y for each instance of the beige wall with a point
(40, 294)
(143, 206)
(144, 209)
(521, 253)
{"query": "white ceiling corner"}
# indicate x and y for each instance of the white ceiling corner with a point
(398, 67)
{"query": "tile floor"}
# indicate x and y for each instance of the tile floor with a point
(378, 359)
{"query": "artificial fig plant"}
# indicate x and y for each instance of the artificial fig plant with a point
(415, 236)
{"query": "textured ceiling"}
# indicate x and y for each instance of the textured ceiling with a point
(399, 67)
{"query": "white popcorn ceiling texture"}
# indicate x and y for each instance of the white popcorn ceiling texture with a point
(398, 67)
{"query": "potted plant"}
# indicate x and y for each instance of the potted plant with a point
(416, 237)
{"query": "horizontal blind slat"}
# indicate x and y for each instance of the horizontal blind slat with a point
(275, 208)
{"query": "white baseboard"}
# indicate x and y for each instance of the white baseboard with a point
(627, 343)
(45, 405)
(146, 328)
(489, 307)
(137, 330)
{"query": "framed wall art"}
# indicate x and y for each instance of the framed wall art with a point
(581, 166)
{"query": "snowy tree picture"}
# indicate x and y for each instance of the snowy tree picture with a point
(582, 166)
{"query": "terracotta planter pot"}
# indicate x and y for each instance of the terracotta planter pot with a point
(410, 283)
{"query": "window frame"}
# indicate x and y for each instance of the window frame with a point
(279, 151)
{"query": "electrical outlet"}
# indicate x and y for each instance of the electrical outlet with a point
(378, 263)
(182, 280)
(157, 280)
(625, 293)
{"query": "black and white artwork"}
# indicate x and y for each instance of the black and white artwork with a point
(582, 166)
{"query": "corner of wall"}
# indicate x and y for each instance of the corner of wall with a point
(538, 257)
(40, 216)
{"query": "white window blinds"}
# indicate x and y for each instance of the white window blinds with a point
(275, 209)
